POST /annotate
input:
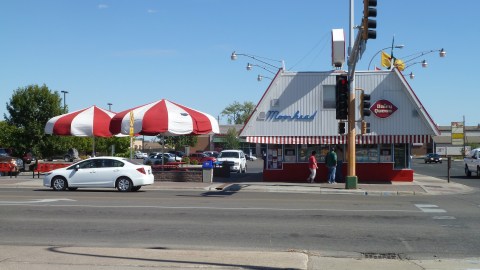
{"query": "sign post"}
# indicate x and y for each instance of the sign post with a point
(131, 134)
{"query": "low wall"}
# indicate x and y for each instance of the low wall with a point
(366, 172)
(178, 176)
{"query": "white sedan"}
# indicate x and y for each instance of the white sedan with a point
(101, 172)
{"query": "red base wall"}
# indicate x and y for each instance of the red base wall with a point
(366, 172)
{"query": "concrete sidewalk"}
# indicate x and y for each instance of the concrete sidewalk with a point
(104, 258)
(422, 185)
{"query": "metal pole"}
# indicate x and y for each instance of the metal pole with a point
(64, 100)
(464, 134)
(449, 166)
(351, 180)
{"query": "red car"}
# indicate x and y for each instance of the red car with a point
(200, 158)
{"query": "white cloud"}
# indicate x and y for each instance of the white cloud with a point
(152, 11)
(102, 6)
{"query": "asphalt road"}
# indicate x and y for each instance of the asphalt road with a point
(411, 226)
(440, 170)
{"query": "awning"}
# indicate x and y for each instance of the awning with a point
(360, 139)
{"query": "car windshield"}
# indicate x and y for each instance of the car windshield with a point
(228, 154)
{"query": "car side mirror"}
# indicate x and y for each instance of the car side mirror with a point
(77, 167)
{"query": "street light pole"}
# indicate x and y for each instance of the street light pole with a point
(395, 47)
(64, 100)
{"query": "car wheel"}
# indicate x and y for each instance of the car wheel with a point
(426, 162)
(245, 169)
(66, 158)
(72, 188)
(478, 171)
(137, 188)
(59, 184)
(467, 171)
(124, 184)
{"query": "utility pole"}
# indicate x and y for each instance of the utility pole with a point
(355, 50)
(351, 179)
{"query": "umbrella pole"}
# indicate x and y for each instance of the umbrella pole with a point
(163, 150)
(93, 153)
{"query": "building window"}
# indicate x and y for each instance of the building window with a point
(290, 153)
(401, 156)
(367, 153)
(274, 157)
(329, 96)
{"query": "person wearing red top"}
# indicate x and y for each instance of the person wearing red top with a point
(312, 166)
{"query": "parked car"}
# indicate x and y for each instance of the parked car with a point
(200, 158)
(140, 154)
(4, 152)
(173, 158)
(211, 153)
(432, 157)
(177, 153)
(250, 157)
(156, 159)
(472, 162)
(71, 155)
(236, 158)
(100, 172)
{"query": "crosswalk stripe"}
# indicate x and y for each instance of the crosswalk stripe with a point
(430, 208)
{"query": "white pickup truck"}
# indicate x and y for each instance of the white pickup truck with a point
(472, 162)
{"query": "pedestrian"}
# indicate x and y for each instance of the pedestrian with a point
(312, 166)
(331, 162)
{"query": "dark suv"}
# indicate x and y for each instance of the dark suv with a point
(429, 158)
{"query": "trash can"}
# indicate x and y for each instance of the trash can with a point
(207, 171)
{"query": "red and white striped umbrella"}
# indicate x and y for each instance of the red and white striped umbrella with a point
(89, 122)
(164, 117)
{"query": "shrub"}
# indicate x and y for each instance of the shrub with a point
(186, 160)
(195, 162)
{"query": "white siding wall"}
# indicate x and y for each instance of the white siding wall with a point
(407, 120)
(303, 92)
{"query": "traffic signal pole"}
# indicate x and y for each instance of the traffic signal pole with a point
(351, 179)
(355, 50)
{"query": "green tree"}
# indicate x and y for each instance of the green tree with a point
(178, 142)
(231, 139)
(29, 110)
(238, 113)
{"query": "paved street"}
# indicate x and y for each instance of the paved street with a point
(428, 224)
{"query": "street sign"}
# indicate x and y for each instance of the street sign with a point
(458, 133)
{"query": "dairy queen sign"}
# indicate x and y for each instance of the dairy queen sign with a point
(383, 108)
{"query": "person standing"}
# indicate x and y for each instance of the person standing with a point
(331, 162)
(312, 166)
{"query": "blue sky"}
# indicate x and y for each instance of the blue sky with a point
(129, 53)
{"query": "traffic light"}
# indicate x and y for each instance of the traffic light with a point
(342, 90)
(365, 127)
(364, 105)
(369, 25)
(341, 128)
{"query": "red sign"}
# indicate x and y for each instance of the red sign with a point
(383, 108)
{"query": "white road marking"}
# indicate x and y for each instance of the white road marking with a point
(33, 201)
(443, 217)
(222, 208)
(430, 208)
